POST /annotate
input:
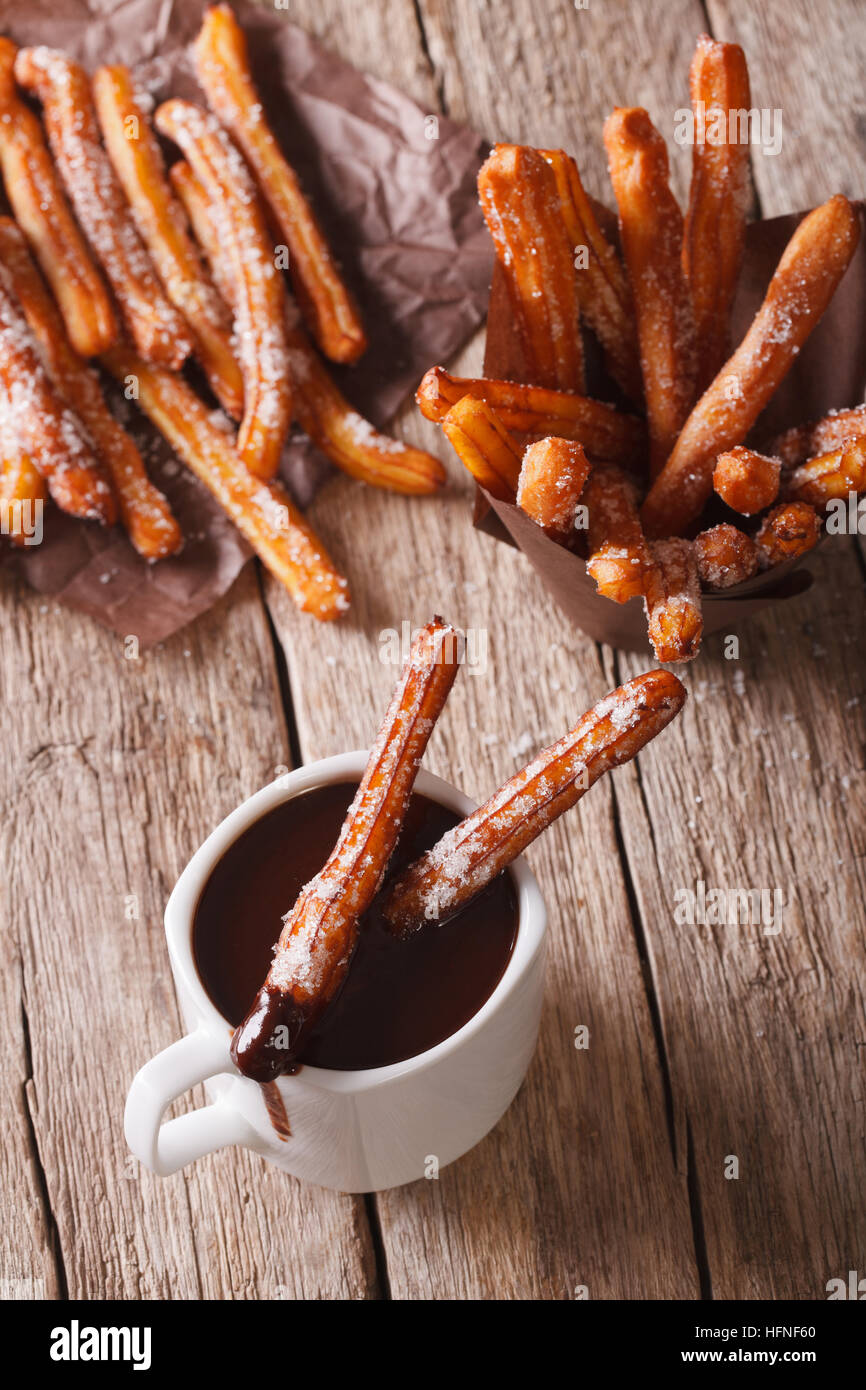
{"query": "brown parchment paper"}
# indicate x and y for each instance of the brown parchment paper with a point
(402, 215)
(829, 373)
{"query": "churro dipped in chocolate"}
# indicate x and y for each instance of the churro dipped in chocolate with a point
(470, 855)
(315, 948)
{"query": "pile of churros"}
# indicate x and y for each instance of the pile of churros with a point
(320, 931)
(627, 489)
(117, 262)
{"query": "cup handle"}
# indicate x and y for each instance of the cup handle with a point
(166, 1147)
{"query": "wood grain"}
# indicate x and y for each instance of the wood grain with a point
(764, 1030)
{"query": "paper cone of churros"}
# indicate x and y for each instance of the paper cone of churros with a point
(829, 374)
(671, 414)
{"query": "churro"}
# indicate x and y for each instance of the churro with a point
(552, 477)
(673, 600)
(806, 277)
(349, 440)
(319, 934)
(651, 231)
(520, 202)
(715, 228)
(263, 512)
(320, 408)
(603, 290)
(223, 69)
(725, 556)
(838, 473)
(484, 446)
(157, 329)
(144, 511)
(747, 481)
(47, 431)
(22, 490)
(470, 855)
(137, 159)
(787, 531)
(803, 442)
(41, 210)
(604, 432)
(257, 290)
(618, 551)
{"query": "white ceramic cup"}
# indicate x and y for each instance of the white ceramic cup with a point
(356, 1131)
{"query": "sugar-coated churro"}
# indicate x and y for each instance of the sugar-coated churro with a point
(603, 290)
(320, 408)
(157, 329)
(144, 511)
(257, 290)
(787, 531)
(747, 481)
(673, 600)
(471, 854)
(715, 228)
(263, 512)
(725, 556)
(223, 68)
(618, 551)
(651, 231)
(349, 440)
(829, 476)
(552, 477)
(484, 446)
(805, 280)
(134, 151)
(22, 490)
(319, 934)
(803, 442)
(520, 202)
(604, 432)
(42, 212)
(47, 431)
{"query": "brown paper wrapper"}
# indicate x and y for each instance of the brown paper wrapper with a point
(402, 214)
(829, 373)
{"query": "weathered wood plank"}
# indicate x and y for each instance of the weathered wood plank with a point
(806, 61)
(764, 1030)
(545, 1204)
(113, 772)
(748, 1250)
(550, 74)
(577, 1185)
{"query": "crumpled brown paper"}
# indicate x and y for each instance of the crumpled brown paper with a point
(401, 212)
(829, 373)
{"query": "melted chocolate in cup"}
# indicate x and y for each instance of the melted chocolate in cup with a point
(399, 998)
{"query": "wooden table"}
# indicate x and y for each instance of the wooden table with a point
(609, 1171)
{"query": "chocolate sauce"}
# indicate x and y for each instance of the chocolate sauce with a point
(399, 998)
